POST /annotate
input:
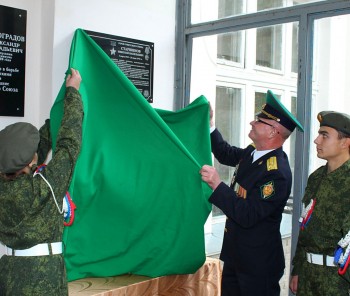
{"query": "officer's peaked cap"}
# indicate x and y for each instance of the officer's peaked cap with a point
(273, 109)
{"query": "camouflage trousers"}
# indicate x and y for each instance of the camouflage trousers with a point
(33, 276)
(318, 280)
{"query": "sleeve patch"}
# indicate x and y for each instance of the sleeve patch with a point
(272, 163)
(267, 190)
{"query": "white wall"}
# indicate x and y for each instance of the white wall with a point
(50, 28)
(151, 20)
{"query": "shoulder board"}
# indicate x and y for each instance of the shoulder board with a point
(271, 163)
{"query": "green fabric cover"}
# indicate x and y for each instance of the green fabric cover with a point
(141, 204)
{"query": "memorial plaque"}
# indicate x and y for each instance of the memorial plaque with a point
(133, 57)
(12, 60)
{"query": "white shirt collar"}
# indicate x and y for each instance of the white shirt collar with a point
(259, 153)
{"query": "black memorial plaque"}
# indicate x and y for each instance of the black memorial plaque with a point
(133, 57)
(13, 24)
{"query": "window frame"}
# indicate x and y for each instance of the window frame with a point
(305, 15)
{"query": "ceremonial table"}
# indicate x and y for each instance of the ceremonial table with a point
(205, 282)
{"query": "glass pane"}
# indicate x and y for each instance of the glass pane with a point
(237, 91)
(230, 8)
(204, 10)
(269, 47)
(259, 101)
(227, 107)
(330, 79)
(230, 46)
(268, 4)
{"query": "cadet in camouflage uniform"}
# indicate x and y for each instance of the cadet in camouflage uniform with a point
(314, 272)
(252, 249)
(31, 224)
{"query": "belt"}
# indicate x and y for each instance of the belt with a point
(320, 259)
(44, 249)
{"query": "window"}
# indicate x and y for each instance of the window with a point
(330, 83)
(230, 44)
(269, 4)
(233, 61)
(228, 121)
(204, 10)
(230, 8)
(269, 47)
(230, 47)
(259, 101)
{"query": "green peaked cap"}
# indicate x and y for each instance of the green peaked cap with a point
(274, 110)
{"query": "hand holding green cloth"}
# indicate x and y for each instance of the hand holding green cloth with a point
(141, 204)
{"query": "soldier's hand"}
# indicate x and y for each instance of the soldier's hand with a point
(73, 79)
(293, 285)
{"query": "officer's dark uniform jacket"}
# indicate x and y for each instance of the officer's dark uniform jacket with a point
(253, 205)
(28, 213)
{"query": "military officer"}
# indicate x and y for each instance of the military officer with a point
(31, 214)
(252, 248)
(325, 219)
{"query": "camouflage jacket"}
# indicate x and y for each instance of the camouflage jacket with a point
(330, 220)
(28, 213)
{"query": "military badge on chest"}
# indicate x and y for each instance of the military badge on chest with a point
(267, 190)
(240, 191)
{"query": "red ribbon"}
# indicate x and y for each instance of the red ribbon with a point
(72, 208)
